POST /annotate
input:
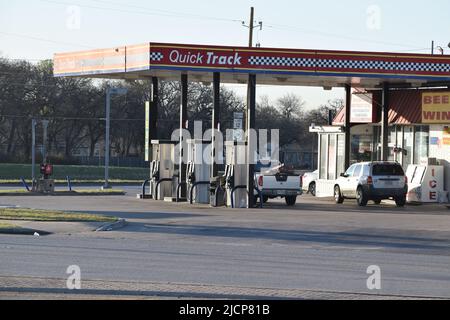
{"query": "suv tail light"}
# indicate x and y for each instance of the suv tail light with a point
(369, 180)
(406, 180)
(260, 181)
(301, 180)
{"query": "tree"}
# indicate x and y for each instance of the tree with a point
(290, 106)
(320, 115)
(267, 115)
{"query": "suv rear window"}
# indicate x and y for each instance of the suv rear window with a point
(387, 170)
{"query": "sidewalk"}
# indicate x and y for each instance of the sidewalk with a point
(48, 288)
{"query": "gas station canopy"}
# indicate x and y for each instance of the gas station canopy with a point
(222, 64)
(272, 66)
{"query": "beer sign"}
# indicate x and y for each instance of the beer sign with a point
(436, 107)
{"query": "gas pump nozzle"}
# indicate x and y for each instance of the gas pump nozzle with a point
(155, 170)
(229, 176)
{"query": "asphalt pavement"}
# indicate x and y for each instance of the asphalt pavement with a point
(313, 250)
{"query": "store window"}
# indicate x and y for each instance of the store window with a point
(323, 156)
(361, 148)
(340, 154)
(376, 143)
(331, 157)
(421, 144)
(408, 144)
(392, 142)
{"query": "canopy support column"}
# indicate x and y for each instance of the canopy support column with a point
(183, 125)
(251, 120)
(215, 122)
(347, 129)
(154, 106)
(385, 122)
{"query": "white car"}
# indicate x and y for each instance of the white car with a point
(374, 181)
(309, 182)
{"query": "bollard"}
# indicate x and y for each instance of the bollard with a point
(24, 183)
(69, 183)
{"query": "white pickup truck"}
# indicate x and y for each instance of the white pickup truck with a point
(279, 182)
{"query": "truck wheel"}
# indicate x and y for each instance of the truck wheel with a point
(338, 198)
(361, 197)
(291, 200)
(400, 201)
(312, 189)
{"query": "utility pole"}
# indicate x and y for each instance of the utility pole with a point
(250, 117)
(251, 26)
(250, 36)
(33, 152)
(107, 120)
(44, 142)
(109, 93)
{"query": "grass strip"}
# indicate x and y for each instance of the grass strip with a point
(26, 214)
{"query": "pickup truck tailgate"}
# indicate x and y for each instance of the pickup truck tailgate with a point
(279, 184)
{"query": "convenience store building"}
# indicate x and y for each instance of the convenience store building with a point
(418, 133)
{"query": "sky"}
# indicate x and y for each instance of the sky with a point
(36, 29)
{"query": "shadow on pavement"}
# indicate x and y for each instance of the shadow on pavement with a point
(349, 207)
(361, 238)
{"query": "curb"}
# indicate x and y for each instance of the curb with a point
(112, 226)
(63, 193)
(24, 232)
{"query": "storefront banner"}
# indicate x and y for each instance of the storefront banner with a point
(361, 108)
(436, 107)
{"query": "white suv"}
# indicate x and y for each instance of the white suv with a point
(374, 181)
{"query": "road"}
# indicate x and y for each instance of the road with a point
(307, 251)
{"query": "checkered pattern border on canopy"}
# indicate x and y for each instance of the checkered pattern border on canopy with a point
(348, 64)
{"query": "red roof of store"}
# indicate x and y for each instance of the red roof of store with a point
(405, 107)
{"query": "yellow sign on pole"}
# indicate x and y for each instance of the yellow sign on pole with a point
(436, 107)
(147, 131)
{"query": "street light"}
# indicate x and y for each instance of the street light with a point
(109, 92)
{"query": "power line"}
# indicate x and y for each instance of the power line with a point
(24, 59)
(143, 11)
(196, 16)
(333, 35)
(44, 40)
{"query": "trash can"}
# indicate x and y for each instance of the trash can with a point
(217, 191)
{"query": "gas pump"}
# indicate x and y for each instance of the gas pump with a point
(45, 184)
(162, 168)
(198, 171)
(236, 174)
